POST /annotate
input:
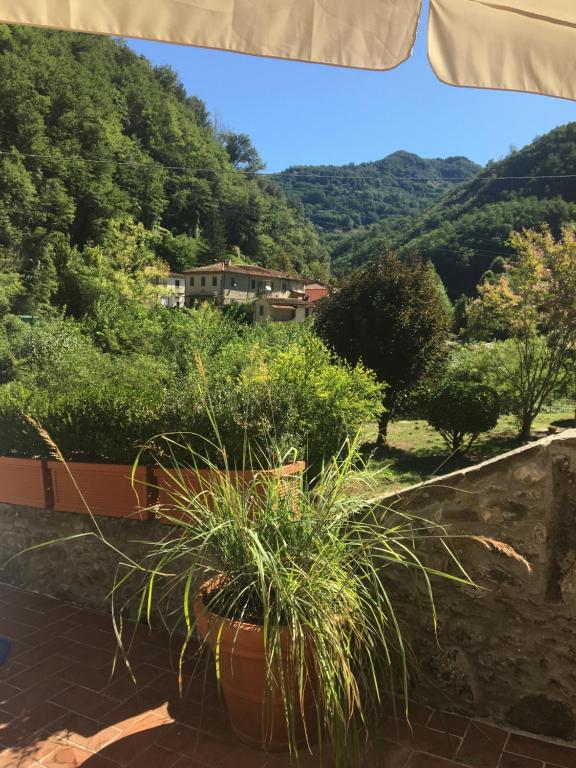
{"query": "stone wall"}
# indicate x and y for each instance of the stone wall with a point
(80, 570)
(506, 651)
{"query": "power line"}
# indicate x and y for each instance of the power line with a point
(289, 174)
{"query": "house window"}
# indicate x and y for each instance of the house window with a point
(191, 282)
(272, 286)
(253, 285)
(261, 309)
(284, 288)
(214, 280)
(307, 312)
(177, 283)
(233, 282)
(202, 281)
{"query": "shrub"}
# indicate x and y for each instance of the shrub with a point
(278, 387)
(461, 410)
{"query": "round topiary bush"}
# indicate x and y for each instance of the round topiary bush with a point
(460, 410)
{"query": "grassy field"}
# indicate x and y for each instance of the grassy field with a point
(416, 452)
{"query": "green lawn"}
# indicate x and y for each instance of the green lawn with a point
(416, 452)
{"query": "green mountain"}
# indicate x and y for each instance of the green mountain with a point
(467, 229)
(92, 135)
(338, 199)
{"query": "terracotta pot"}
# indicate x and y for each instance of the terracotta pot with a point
(169, 484)
(107, 489)
(22, 482)
(255, 706)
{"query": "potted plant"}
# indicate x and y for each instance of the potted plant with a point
(291, 586)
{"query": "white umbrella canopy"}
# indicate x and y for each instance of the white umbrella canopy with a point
(522, 45)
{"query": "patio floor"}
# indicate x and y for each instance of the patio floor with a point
(60, 706)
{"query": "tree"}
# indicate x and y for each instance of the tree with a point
(390, 316)
(242, 153)
(460, 410)
(491, 316)
(542, 293)
(10, 287)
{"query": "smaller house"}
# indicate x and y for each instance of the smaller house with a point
(282, 310)
(316, 291)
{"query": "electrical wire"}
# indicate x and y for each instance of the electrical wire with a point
(289, 174)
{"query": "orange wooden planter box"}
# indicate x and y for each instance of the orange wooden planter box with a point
(107, 489)
(169, 484)
(21, 482)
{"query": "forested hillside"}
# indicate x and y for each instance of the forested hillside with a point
(465, 231)
(342, 198)
(97, 146)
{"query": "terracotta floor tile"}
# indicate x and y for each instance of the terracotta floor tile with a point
(179, 738)
(420, 738)
(84, 732)
(23, 615)
(508, 760)
(243, 757)
(148, 654)
(135, 739)
(31, 600)
(155, 757)
(395, 708)
(186, 762)
(10, 668)
(28, 655)
(95, 638)
(136, 706)
(93, 678)
(482, 745)
(538, 749)
(445, 721)
(15, 630)
(83, 701)
(123, 687)
(386, 753)
(98, 761)
(28, 755)
(45, 668)
(29, 699)
(7, 692)
(423, 760)
(20, 730)
(87, 618)
(61, 611)
(59, 705)
(49, 632)
(67, 757)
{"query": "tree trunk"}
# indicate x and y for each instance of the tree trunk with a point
(526, 428)
(383, 422)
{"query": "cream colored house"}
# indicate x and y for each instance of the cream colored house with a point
(282, 310)
(227, 283)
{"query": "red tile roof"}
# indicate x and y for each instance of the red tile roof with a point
(242, 269)
(314, 294)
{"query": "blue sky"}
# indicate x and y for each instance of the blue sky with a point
(310, 114)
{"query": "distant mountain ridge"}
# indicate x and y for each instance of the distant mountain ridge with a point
(342, 198)
(464, 231)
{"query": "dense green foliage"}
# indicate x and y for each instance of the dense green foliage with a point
(92, 137)
(465, 231)
(267, 385)
(341, 198)
(460, 410)
(392, 316)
